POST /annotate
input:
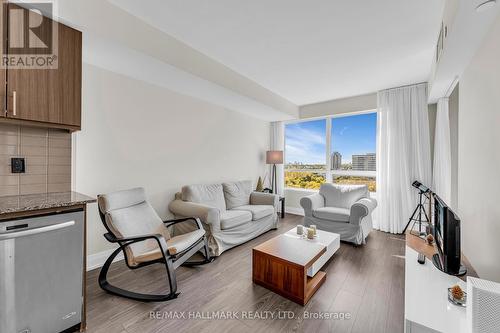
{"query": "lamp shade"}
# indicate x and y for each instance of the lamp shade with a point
(274, 157)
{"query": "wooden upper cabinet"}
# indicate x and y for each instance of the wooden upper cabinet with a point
(45, 94)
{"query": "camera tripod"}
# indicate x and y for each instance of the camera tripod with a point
(419, 214)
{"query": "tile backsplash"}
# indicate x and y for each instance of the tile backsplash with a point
(47, 154)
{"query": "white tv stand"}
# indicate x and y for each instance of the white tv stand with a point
(426, 293)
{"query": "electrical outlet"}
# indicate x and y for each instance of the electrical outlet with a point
(18, 165)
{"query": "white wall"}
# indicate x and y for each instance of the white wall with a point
(339, 106)
(139, 134)
(453, 111)
(479, 157)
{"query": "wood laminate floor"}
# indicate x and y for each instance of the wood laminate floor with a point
(367, 282)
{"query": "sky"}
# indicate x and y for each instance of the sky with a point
(306, 141)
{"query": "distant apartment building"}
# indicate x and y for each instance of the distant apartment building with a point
(336, 160)
(367, 162)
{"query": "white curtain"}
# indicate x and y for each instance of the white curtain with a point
(403, 154)
(441, 182)
(278, 143)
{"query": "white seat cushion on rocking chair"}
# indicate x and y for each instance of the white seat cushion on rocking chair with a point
(175, 245)
(182, 242)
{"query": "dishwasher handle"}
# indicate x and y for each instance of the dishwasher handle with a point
(35, 231)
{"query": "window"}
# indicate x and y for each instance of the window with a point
(305, 146)
(353, 147)
(340, 150)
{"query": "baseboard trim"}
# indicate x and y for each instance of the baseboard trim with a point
(97, 260)
(295, 210)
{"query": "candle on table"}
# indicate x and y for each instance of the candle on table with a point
(313, 227)
(310, 233)
(300, 229)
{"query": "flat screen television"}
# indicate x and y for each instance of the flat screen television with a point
(447, 237)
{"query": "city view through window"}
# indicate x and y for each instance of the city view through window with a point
(351, 145)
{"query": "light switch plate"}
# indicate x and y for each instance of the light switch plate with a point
(17, 165)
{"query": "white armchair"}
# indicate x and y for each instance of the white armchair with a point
(342, 209)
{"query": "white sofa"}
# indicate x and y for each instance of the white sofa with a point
(342, 209)
(231, 213)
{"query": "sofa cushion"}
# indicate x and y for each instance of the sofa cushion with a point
(343, 196)
(258, 211)
(234, 218)
(210, 195)
(237, 193)
(332, 214)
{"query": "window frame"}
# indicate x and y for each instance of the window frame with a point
(328, 172)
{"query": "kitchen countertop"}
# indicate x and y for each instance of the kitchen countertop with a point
(32, 202)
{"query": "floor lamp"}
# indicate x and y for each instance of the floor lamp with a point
(274, 157)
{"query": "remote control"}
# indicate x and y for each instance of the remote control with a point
(421, 258)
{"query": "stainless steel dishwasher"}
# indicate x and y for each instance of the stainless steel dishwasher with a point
(41, 271)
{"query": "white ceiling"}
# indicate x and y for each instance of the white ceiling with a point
(117, 41)
(306, 51)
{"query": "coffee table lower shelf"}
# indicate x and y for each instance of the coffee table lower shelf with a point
(313, 284)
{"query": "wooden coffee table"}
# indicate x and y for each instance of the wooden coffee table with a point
(282, 263)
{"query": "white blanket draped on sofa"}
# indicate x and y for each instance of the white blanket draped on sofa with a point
(403, 154)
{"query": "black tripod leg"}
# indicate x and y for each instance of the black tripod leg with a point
(411, 219)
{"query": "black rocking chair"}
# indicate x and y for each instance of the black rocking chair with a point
(120, 209)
